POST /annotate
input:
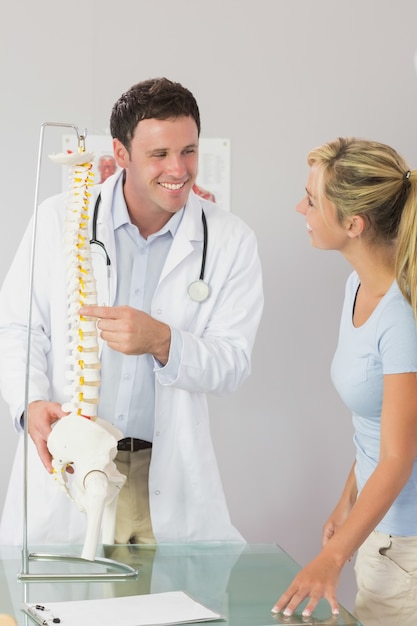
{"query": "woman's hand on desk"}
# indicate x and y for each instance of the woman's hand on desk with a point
(315, 581)
(42, 415)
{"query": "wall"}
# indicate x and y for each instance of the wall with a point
(277, 78)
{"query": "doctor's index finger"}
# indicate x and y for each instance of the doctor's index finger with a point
(97, 311)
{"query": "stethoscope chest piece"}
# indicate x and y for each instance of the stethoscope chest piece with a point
(198, 291)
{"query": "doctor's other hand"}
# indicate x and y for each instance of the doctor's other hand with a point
(42, 415)
(131, 331)
(315, 581)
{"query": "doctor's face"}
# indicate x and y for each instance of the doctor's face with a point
(161, 167)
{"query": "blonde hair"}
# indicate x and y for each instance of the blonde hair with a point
(371, 179)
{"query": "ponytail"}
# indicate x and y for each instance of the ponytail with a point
(406, 258)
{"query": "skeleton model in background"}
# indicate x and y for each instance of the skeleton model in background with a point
(81, 440)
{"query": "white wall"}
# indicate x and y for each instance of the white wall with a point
(277, 77)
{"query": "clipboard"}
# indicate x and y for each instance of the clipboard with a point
(155, 609)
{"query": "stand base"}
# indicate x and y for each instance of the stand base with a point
(122, 571)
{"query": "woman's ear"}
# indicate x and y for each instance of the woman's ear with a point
(356, 225)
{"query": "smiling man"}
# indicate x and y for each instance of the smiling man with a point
(181, 281)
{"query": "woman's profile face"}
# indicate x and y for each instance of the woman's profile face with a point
(326, 232)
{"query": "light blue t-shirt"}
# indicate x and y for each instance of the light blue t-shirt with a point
(385, 344)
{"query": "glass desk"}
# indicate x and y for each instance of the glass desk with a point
(242, 582)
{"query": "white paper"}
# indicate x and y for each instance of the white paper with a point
(156, 609)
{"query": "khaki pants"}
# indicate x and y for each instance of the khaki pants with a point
(386, 575)
(133, 521)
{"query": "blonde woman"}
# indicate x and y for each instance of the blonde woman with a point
(362, 200)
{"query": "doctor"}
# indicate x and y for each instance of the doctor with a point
(180, 283)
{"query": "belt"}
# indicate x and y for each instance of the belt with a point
(133, 445)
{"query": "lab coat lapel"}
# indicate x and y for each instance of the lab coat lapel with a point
(189, 231)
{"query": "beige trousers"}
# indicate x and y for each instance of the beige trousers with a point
(386, 575)
(133, 521)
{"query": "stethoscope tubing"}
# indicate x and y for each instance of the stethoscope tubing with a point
(204, 288)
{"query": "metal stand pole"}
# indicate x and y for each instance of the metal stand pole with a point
(122, 570)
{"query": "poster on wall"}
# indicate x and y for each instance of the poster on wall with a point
(214, 169)
(213, 180)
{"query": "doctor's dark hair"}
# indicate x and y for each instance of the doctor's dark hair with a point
(157, 98)
(372, 180)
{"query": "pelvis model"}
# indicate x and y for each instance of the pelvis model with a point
(81, 441)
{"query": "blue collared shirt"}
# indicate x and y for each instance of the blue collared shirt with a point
(127, 391)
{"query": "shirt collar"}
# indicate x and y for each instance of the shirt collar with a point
(121, 214)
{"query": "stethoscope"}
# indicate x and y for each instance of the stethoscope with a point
(198, 290)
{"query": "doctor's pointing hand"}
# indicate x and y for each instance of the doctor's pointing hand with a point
(130, 331)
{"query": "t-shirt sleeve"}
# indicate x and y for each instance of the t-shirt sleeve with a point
(398, 339)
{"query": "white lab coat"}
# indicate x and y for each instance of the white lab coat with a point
(186, 497)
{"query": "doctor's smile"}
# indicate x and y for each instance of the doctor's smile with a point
(172, 186)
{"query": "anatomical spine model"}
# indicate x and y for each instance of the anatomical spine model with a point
(81, 440)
